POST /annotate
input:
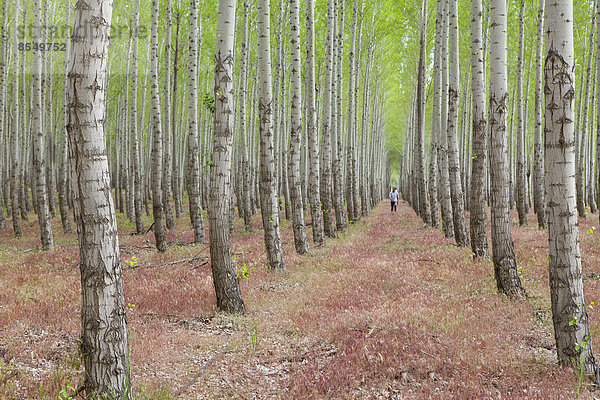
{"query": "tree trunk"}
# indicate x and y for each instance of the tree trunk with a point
(571, 329)
(268, 181)
(447, 217)
(351, 124)
(245, 172)
(136, 170)
(538, 156)
(176, 177)
(104, 341)
(64, 152)
(193, 149)
(15, 175)
(422, 187)
(3, 100)
(295, 182)
(39, 159)
(479, 243)
(458, 203)
(312, 131)
(229, 297)
(503, 255)
(157, 156)
(436, 116)
(355, 164)
(166, 137)
(337, 127)
(326, 190)
(583, 129)
(520, 179)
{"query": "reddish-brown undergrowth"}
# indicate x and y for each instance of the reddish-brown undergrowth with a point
(389, 309)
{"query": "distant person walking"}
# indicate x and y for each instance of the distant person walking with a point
(394, 199)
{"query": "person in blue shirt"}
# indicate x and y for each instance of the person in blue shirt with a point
(394, 199)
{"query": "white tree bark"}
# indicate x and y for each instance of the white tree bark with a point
(136, 185)
(337, 128)
(64, 152)
(268, 181)
(520, 178)
(167, 132)
(571, 328)
(457, 197)
(479, 243)
(505, 266)
(295, 181)
(3, 93)
(538, 156)
(229, 297)
(436, 116)
(14, 140)
(193, 148)
(583, 129)
(444, 175)
(39, 159)
(424, 210)
(311, 130)
(104, 341)
(245, 165)
(157, 156)
(176, 177)
(326, 173)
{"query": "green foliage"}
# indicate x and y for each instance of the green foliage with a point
(67, 393)
(132, 262)
(243, 273)
(209, 102)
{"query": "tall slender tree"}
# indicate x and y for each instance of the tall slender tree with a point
(157, 147)
(136, 185)
(583, 129)
(503, 255)
(245, 164)
(64, 148)
(166, 123)
(571, 326)
(436, 116)
(314, 193)
(538, 156)
(14, 140)
(337, 125)
(3, 93)
(176, 177)
(479, 243)
(295, 182)
(457, 197)
(268, 181)
(229, 297)
(193, 148)
(444, 175)
(104, 339)
(39, 158)
(520, 131)
(422, 176)
(326, 174)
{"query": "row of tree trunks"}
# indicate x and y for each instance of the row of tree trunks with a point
(562, 170)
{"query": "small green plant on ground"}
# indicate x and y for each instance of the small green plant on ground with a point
(254, 338)
(243, 273)
(67, 393)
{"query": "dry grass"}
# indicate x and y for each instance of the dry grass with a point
(390, 309)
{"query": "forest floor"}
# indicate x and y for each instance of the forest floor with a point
(388, 310)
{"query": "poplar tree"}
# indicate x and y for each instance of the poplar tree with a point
(104, 338)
